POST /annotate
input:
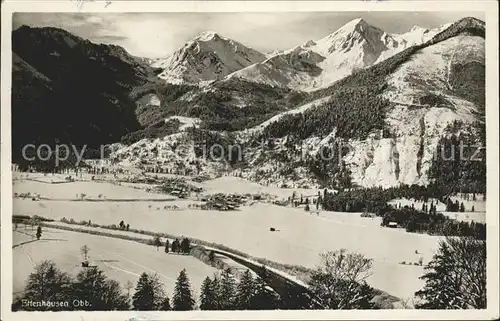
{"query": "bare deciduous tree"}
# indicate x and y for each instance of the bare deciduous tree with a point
(339, 282)
(128, 286)
(348, 266)
(157, 242)
(85, 251)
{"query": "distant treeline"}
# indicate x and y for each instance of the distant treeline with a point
(427, 220)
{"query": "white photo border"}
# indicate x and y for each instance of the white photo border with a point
(490, 9)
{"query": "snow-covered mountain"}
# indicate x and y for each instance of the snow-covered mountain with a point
(392, 115)
(207, 57)
(406, 92)
(426, 95)
(317, 64)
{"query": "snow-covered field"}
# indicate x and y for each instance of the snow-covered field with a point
(300, 239)
(120, 260)
(92, 190)
(230, 184)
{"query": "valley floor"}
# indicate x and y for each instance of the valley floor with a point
(299, 239)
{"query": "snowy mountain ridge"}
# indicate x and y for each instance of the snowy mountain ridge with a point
(310, 66)
(207, 57)
(355, 45)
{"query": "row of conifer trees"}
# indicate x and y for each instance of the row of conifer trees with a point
(95, 292)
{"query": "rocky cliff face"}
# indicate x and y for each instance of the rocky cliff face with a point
(425, 103)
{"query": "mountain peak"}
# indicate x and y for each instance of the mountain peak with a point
(471, 20)
(207, 57)
(415, 28)
(357, 21)
(356, 24)
(208, 36)
(309, 43)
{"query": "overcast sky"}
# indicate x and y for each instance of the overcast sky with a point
(156, 35)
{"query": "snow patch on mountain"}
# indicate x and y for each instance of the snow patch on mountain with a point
(149, 100)
(186, 122)
(430, 69)
(299, 110)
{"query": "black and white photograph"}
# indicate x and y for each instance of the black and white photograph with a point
(204, 160)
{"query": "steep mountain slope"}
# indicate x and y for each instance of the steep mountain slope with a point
(294, 68)
(259, 91)
(392, 116)
(207, 57)
(317, 64)
(66, 89)
(424, 105)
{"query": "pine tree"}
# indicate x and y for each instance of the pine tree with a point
(90, 286)
(456, 276)
(47, 283)
(176, 246)
(38, 232)
(211, 257)
(185, 246)
(103, 294)
(264, 298)
(208, 296)
(245, 291)
(462, 207)
(227, 290)
(216, 288)
(149, 294)
(167, 245)
(183, 298)
(165, 305)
